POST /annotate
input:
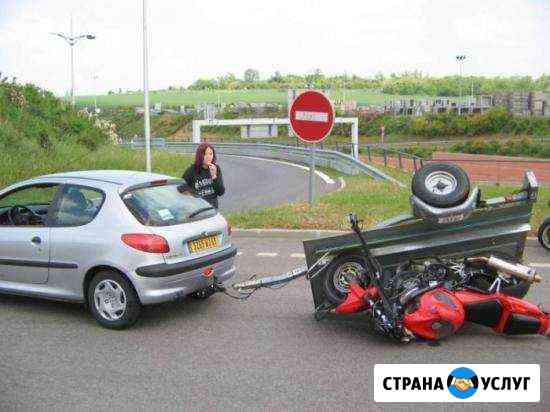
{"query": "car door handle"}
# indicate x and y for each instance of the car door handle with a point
(36, 240)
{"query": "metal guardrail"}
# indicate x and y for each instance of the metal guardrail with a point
(326, 158)
(344, 147)
(158, 142)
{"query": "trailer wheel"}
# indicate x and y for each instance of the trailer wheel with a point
(339, 274)
(441, 185)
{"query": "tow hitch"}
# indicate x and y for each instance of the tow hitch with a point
(248, 287)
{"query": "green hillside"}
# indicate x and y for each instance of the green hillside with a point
(42, 134)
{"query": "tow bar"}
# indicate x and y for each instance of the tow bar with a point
(248, 287)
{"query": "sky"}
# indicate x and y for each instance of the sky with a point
(203, 39)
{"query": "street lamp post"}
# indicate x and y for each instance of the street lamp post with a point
(94, 77)
(71, 41)
(460, 59)
(146, 114)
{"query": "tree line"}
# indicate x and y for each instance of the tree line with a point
(407, 83)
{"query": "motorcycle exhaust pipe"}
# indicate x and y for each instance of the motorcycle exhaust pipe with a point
(515, 269)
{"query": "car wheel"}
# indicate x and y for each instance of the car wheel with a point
(441, 185)
(544, 234)
(113, 301)
(339, 274)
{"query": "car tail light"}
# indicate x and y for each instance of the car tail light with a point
(146, 242)
(228, 229)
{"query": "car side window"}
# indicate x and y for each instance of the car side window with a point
(78, 206)
(27, 206)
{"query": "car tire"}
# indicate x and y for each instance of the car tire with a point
(112, 300)
(441, 185)
(544, 234)
(336, 276)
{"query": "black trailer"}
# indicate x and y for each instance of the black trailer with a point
(497, 227)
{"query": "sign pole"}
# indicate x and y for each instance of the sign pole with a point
(312, 175)
(311, 117)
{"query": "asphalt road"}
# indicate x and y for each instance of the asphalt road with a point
(254, 182)
(265, 353)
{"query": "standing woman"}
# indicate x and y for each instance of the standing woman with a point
(205, 176)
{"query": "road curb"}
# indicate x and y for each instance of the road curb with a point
(285, 233)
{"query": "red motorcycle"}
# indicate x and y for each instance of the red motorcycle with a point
(434, 302)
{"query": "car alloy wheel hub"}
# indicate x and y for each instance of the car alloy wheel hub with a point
(110, 300)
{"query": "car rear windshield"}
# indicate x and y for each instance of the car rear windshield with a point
(167, 205)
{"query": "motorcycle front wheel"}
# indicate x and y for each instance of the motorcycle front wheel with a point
(340, 273)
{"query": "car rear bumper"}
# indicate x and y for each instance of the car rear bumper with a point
(165, 270)
(166, 282)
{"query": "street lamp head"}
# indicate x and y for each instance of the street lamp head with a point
(460, 57)
(90, 36)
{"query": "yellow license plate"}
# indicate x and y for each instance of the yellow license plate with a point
(204, 243)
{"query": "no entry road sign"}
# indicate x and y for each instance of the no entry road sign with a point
(311, 116)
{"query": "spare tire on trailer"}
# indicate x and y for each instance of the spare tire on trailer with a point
(441, 185)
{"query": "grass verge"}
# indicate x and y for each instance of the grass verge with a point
(373, 201)
(62, 158)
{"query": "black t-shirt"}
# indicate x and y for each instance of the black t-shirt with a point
(203, 184)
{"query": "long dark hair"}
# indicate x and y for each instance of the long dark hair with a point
(199, 155)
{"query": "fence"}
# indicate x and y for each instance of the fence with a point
(393, 158)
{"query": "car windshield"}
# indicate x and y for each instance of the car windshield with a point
(167, 205)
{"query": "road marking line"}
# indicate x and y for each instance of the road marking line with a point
(327, 179)
(266, 254)
(297, 255)
(239, 253)
(540, 265)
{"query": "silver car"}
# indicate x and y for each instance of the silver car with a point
(114, 240)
